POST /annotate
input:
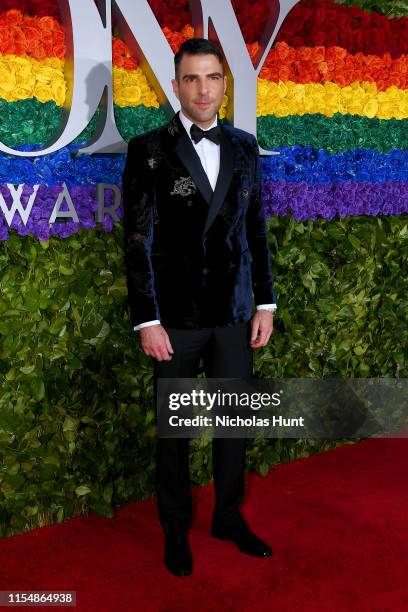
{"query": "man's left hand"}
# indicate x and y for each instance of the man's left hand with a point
(262, 328)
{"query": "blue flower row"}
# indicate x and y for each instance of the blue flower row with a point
(317, 167)
(293, 164)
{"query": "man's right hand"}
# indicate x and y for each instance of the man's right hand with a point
(156, 342)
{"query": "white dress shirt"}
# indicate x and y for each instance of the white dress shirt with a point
(209, 154)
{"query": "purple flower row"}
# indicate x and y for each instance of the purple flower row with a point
(305, 201)
(84, 201)
(281, 198)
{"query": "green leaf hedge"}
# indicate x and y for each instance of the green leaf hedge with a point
(77, 424)
(390, 8)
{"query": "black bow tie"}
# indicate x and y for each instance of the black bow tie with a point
(197, 134)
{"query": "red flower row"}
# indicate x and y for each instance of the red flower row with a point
(39, 37)
(37, 8)
(312, 23)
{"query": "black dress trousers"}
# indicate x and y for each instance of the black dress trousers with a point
(226, 353)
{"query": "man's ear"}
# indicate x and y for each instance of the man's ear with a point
(175, 86)
(225, 84)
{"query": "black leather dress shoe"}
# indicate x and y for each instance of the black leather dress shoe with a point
(243, 537)
(177, 555)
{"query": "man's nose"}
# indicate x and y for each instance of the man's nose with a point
(203, 86)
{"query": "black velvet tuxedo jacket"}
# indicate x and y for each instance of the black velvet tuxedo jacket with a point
(194, 257)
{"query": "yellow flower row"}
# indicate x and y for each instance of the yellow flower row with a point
(131, 88)
(286, 98)
(23, 77)
(359, 98)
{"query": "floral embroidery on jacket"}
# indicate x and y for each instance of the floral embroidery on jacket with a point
(172, 127)
(184, 186)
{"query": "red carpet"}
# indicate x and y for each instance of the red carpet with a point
(337, 523)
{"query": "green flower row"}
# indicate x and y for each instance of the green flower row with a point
(30, 122)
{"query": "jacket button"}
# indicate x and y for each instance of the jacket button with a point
(205, 270)
(189, 203)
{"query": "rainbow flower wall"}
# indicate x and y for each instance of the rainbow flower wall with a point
(332, 99)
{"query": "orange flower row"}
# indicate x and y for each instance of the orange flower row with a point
(123, 58)
(42, 37)
(332, 64)
(38, 37)
(303, 64)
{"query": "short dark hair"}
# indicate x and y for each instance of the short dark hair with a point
(197, 46)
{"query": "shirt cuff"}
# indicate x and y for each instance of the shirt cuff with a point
(146, 324)
(270, 307)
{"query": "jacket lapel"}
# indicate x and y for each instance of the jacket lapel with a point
(190, 159)
(223, 181)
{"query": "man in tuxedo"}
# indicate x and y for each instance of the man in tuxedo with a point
(197, 258)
